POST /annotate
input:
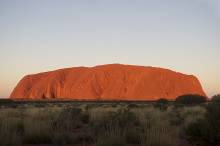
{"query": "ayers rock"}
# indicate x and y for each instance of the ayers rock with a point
(107, 82)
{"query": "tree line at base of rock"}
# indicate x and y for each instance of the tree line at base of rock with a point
(183, 99)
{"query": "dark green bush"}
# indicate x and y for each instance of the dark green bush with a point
(132, 105)
(162, 101)
(114, 105)
(206, 131)
(6, 101)
(215, 98)
(190, 99)
(162, 104)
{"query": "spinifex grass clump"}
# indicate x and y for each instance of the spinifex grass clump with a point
(71, 127)
(115, 128)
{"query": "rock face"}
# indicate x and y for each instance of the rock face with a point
(107, 82)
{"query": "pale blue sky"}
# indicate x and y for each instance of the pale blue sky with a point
(42, 35)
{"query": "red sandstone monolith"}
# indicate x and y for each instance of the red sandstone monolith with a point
(107, 82)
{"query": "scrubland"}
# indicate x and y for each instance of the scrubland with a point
(100, 124)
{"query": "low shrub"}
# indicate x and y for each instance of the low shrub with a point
(6, 101)
(131, 105)
(215, 98)
(162, 104)
(190, 99)
(206, 131)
